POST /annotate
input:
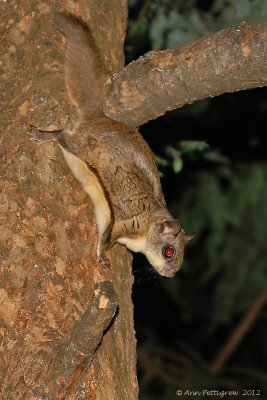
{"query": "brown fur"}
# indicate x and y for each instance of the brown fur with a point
(113, 162)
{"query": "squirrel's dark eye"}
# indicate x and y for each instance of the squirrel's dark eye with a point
(169, 252)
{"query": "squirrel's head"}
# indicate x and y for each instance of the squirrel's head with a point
(165, 246)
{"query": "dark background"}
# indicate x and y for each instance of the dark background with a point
(212, 158)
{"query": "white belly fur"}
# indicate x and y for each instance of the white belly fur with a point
(92, 186)
(138, 245)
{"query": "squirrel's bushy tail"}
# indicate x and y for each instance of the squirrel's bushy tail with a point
(85, 74)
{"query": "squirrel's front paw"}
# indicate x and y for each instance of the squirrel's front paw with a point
(35, 134)
(40, 136)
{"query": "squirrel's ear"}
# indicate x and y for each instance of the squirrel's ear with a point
(171, 227)
(187, 238)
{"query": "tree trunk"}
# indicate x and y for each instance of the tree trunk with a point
(66, 324)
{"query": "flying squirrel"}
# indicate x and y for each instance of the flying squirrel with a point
(113, 162)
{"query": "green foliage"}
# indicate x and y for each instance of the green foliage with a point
(224, 272)
(175, 153)
(140, 28)
(229, 216)
(173, 23)
(179, 24)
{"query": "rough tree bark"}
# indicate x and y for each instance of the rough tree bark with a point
(226, 61)
(66, 325)
(55, 303)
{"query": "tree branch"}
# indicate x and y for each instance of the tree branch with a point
(226, 61)
(75, 356)
(239, 333)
